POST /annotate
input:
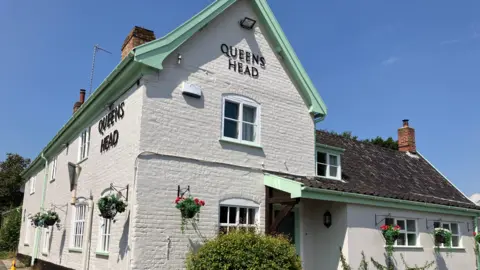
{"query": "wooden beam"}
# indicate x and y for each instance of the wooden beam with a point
(268, 210)
(281, 200)
(286, 208)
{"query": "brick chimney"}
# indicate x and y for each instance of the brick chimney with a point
(136, 37)
(79, 103)
(406, 138)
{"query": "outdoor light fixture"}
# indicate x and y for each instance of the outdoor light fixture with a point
(248, 23)
(327, 219)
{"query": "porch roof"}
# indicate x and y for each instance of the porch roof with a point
(328, 190)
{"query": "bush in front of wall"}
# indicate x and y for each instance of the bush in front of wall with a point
(245, 250)
(110, 205)
(378, 266)
(10, 231)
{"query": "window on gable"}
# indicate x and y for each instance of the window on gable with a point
(84, 144)
(238, 214)
(46, 240)
(33, 182)
(240, 119)
(26, 223)
(328, 165)
(53, 165)
(408, 231)
(454, 228)
(78, 226)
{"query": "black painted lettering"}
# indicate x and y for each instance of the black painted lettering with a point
(224, 49)
(248, 57)
(121, 112)
(241, 55)
(232, 64)
(240, 68)
(256, 59)
(262, 62)
(254, 72)
(100, 126)
(247, 70)
(115, 137)
(232, 50)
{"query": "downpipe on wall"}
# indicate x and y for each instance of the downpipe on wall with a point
(88, 239)
(477, 251)
(42, 203)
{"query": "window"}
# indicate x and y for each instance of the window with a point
(46, 240)
(408, 231)
(79, 215)
(241, 119)
(26, 239)
(53, 168)
(33, 181)
(84, 144)
(328, 165)
(104, 238)
(238, 213)
(454, 228)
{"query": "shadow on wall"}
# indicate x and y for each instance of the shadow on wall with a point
(441, 265)
(123, 247)
(62, 245)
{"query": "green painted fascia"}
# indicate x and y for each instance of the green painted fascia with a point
(155, 52)
(109, 90)
(298, 190)
(328, 148)
(284, 48)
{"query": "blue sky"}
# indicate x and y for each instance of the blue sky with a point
(374, 63)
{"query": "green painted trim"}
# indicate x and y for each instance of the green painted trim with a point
(155, 52)
(116, 84)
(296, 213)
(328, 148)
(246, 143)
(298, 73)
(299, 191)
(286, 185)
(475, 229)
(102, 253)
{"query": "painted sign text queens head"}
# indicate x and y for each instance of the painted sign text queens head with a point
(243, 62)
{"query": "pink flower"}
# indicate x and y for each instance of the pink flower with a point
(384, 227)
(202, 203)
(474, 234)
(177, 200)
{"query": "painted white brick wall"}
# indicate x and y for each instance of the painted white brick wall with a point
(98, 171)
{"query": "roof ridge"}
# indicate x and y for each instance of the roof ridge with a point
(355, 140)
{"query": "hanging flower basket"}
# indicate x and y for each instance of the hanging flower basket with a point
(110, 206)
(189, 208)
(36, 220)
(443, 236)
(390, 233)
(50, 218)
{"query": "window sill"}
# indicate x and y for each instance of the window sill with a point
(82, 161)
(76, 250)
(102, 253)
(31, 193)
(52, 180)
(330, 178)
(450, 248)
(45, 253)
(406, 247)
(246, 143)
(26, 244)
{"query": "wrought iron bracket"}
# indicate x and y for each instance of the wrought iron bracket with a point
(119, 190)
(379, 216)
(60, 207)
(181, 192)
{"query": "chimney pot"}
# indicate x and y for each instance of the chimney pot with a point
(406, 138)
(82, 95)
(137, 36)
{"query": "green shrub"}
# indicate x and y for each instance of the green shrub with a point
(10, 231)
(245, 250)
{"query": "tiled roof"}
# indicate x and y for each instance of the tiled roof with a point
(373, 170)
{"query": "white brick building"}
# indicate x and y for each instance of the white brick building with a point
(255, 118)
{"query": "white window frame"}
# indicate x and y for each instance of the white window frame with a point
(53, 171)
(417, 238)
(242, 101)
(26, 221)
(84, 144)
(458, 234)
(327, 171)
(33, 182)
(104, 232)
(46, 234)
(239, 203)
(79, 219)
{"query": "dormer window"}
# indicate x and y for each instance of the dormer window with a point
(329, 162)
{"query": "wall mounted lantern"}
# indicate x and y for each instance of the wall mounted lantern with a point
(248, 23)
(327, 219)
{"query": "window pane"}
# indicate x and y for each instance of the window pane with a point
(230, 129)
(389, 221)
(223, 214)
(401, 240)
(248, 132)
(333, 171)
(401, 223)
(231, 110)
(321, 158)
(333, 160)
(436, 224)
(233, 215)
(412, 239)
(251, 216)
(446, 226)
(455, 241)
(411, 225)
(454, 228)
(249, 114)
(322, 170)
(243, 216)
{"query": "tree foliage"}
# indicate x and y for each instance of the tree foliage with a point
(387, 143)
(245, 250)
(10, 230)
(11, 181)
